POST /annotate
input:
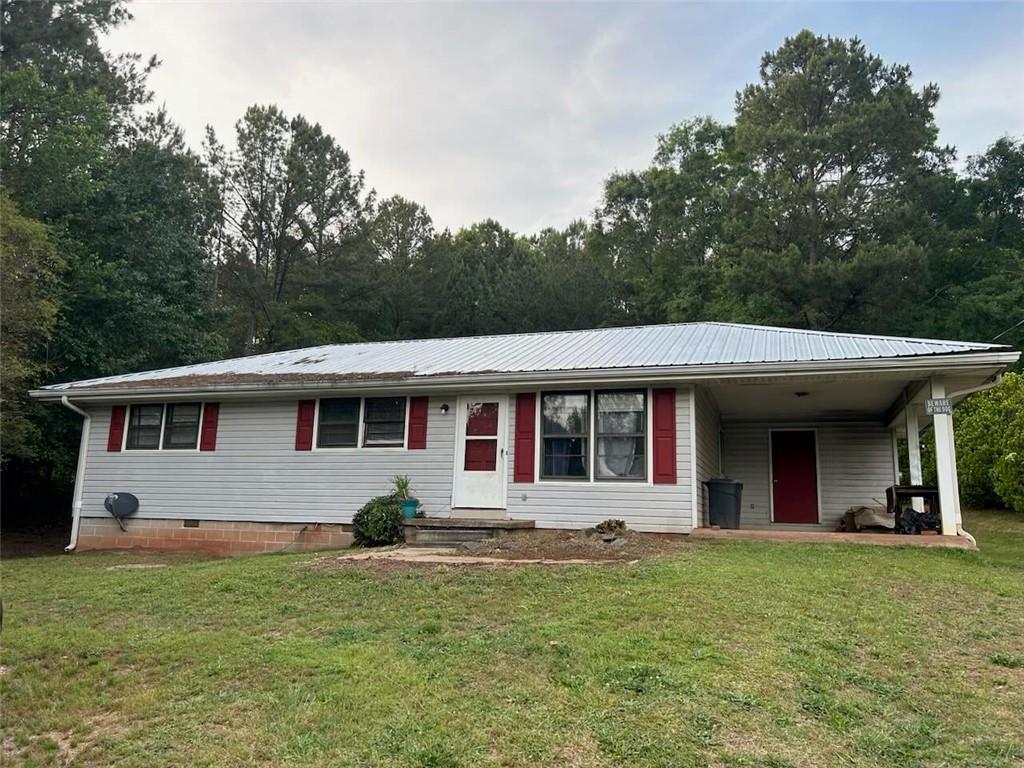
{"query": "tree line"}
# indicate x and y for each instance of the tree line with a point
(826, 203)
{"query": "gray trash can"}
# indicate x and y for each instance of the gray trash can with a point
(724, 502)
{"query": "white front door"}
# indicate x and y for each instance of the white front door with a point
(480, 425)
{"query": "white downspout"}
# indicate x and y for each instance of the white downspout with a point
(83, 447)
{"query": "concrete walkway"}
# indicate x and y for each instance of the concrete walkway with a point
(833, 537)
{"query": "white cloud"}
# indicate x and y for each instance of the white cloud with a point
(513, 112)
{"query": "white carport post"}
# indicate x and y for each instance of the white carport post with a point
(914, 451)
(945, 463)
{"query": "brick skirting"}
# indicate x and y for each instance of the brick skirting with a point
(211, 536)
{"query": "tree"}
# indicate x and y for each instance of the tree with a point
(60, 40)
(400, 234)
(291, 201)
(662, 229)
(31, 291)
(834, 145)
(989, 446)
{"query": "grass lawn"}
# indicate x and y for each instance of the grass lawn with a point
(725, 654)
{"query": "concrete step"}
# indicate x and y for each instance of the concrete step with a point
(450, 532)
(448, 537)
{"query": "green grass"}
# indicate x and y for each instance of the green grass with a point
(726, 654)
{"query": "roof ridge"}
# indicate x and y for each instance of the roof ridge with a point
(501, 335)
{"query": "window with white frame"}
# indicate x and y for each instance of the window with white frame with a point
(155, 426)
(599, 435)
(380, 421)
(621, 427)
(565, 435)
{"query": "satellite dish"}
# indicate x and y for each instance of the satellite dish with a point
(121, 505)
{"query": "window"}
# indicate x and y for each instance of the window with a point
(384, 422)
(339, 423)
(621, 436)
(144, 426)
(565, 427)
(181, 429)
(608, 444)
(170, 427)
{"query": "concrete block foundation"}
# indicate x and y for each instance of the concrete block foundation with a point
(215, 537)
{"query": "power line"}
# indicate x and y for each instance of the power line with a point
(1012, 327)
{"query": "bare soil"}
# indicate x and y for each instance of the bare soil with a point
(565, 545)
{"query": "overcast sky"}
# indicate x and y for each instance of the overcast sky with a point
(518, 112)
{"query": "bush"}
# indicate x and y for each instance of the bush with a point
(989, 446)
(379, 522)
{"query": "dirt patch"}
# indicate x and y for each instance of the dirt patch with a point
(34, 541)
(563, 545)
(519, 548)
(68, 747)
(391, 559)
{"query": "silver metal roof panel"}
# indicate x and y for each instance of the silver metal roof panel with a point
(652, 346)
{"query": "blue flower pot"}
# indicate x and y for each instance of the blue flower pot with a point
(409, 508)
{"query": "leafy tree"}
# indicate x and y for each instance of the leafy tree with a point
(30, 286)
(400, 234)
(60, 40)
(291, 200)
(573, 287)
(989, 446)
(661, 229)
(833, 145)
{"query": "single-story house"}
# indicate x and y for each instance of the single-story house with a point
(564, 429)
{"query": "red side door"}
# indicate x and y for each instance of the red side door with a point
(794, 477)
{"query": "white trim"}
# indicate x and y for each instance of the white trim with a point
(502, 438)
(895, 457)
(163, 426)
(945, 463)
(696, 518)
(817, 473)
(360, 427)
(926, 365)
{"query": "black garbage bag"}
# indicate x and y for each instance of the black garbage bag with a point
(912, 521)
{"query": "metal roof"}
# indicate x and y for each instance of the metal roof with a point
(637, 347)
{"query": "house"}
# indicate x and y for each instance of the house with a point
(564, 429)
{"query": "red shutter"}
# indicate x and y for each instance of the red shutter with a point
(208, 432)
(525, 443)
(418, 407)
(116, 435)
(304, 425)
(665, 436)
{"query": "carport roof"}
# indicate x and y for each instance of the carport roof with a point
(650, 347)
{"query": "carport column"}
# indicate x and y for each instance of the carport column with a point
(945, 463)
(914, 451)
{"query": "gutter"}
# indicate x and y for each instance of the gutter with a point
(76, 503)
(455, 381)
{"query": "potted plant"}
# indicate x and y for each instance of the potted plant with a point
(403, 491)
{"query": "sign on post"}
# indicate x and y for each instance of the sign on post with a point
(937, 405)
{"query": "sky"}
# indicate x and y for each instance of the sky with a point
(518, 112)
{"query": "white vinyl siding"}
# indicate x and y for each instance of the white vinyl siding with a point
(708, 446)
(256, 474)
(855, 461)
(643, 505)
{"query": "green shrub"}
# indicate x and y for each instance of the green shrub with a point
(989, 430)
(379, 522)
